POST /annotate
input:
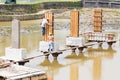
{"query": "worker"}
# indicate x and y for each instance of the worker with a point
(51, 42)
(44, 23)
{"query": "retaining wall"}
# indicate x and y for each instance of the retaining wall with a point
(101, 3)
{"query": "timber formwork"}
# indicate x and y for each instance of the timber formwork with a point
(49, 28)
(98, 20)
(74, 26)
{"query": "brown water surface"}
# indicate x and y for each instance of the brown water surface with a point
(92, 64)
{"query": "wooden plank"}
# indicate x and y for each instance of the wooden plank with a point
(74, 26)
(49, 28)
(15, 72)
(34, 78)
(28, 78)
(98, 19)
(42, 77)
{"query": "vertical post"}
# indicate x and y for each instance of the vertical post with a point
(97, 3)
(98, 20)
(49, 28)
(83, 3)
(74, 27)
(15, 33)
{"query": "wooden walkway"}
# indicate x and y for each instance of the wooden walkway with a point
(54, 53)
(16, 72)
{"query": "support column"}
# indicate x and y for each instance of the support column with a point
(15, 53)
(15, 33)
(74, 26)
(44, 45)
(74, 39)
(98, 20)
(49, 28)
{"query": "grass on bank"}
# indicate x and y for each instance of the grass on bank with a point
(39, 1)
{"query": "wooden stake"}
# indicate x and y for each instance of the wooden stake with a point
(74, 27)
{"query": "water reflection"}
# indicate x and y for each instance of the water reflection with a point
(89, 65)
(74, 72)
(97, 64)
(52, 67)
(54, 64)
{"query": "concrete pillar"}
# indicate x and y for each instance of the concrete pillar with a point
(97, 3)
(15, 33)
(83, 3)
(74, 26)
(15, 52)
(49, 28)
(109, 4)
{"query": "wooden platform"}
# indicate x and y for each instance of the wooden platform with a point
(73, 47)
(112, 41)
(16, 72)
(20, 62)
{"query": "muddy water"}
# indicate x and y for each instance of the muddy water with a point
(95, 63)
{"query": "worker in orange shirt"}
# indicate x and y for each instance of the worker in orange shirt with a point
(51, 42)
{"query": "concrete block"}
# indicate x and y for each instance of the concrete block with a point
(56, 47)
(75, 41)
(15, 54)
(44, 46)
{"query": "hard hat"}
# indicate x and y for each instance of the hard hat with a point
(50, 33)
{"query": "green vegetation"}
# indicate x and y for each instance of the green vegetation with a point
(112, 11)
(26, 7)
(40, 1)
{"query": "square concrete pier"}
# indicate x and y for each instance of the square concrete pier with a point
(15, 54)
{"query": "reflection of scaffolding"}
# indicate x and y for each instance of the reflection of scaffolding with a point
(96, 56)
